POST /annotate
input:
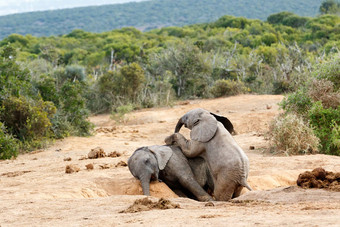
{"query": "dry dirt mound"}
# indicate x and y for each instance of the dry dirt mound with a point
(97, 152)
(320, 178)
(121, 185)
(146, 204)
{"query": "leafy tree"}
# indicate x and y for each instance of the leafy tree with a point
(73, 108)
(131, 81)
(278, 18)
(188, 69)
(330, 7)
(13, 80)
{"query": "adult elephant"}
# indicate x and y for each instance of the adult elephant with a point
(168, 164)
(212, 140)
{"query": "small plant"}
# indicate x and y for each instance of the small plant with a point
(119, 114)
(289, 134)
(9, 146)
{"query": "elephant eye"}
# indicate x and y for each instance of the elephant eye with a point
(196, 122)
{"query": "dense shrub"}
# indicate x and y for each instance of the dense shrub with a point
(9, 146)
(28, 120)
(227, 88)
(323, 90)
(329, 70)
(47, 87)
(289, 134)
(325, 122)
(73, 109)
(298, 102)
(278, 18)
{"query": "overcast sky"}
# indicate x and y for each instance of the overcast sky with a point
(20, 6)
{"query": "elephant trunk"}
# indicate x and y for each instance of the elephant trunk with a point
(179, 125)
(145, 181)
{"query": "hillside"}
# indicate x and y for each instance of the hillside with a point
(146, 15)
(22, 6)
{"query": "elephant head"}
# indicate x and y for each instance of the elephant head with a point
(203, 124)
(146, 162)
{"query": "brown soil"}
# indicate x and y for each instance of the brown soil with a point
(72, 169)
(114, 154)
(89, 166)
(319, 178)
(97, 152)
(35, 191)
(146, 204)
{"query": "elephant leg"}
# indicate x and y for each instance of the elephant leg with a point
(237, 192)
(190, 148)
(224, 190)
(191, 184)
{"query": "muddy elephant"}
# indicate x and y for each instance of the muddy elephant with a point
(212, 140)
(168, 164)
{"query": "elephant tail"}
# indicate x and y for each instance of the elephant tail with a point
(245, 184)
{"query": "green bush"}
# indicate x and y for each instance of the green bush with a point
(326, 123)
(47, 89)
(278, 18)
(298, 102)
(295, 21)
(73, 110)
(289, 134)
(329, 70)
(28, 120)
(9, 146)
(228, 88)
(268, 38)
(281, 86)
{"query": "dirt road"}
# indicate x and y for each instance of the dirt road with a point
(36, 191)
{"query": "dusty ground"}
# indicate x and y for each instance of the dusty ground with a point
(36, 191)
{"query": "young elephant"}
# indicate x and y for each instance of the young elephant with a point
(210, 138)
(170, 165)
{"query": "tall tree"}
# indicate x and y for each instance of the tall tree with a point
(330, 7)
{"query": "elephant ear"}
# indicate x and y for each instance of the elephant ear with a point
(162, 153)
(205, 129)
(225, 121)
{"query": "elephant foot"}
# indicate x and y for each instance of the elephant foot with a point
(209, 204)
(205, 198)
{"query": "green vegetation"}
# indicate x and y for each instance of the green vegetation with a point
(317, 103)
(148, 15)
(50, 85)
(330, 7)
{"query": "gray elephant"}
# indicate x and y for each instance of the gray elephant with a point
(210, 139)
(168, 164)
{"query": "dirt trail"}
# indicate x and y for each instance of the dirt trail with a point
(36, 191)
